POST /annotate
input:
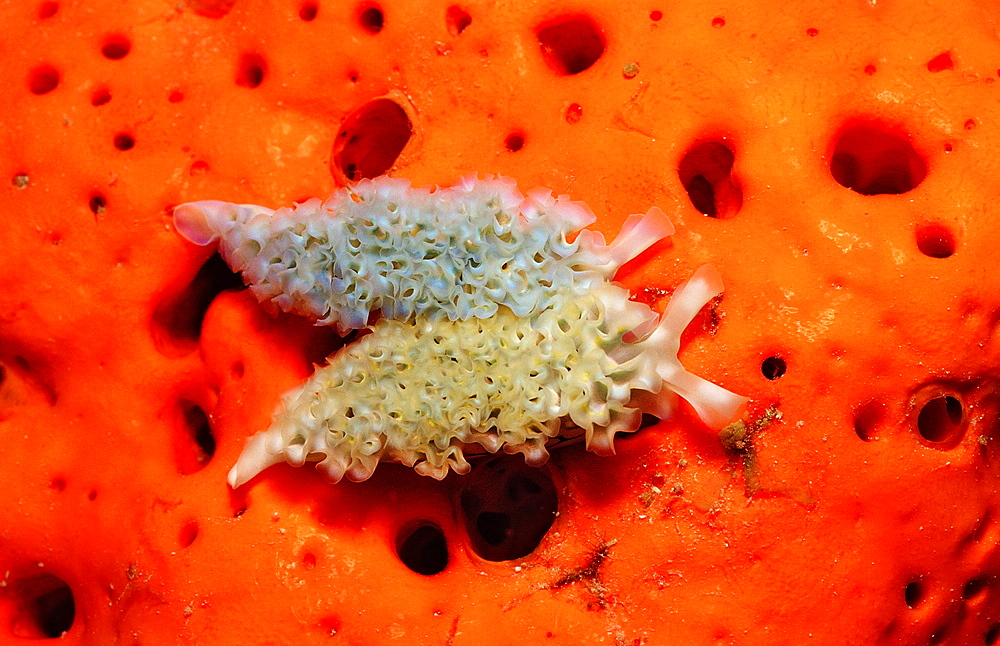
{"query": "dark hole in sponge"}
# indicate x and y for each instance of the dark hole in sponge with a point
(871, 159)
(940, 419)
(371, 139)
(100, 97)
(992, 635)
(935, 240)
(574, 113)
(56, 611)
(371, 19)
(98, 204)
(705, 171)
(210, 8)
(43, 79)
(457, 20)
(507, 508)
(308, 11)
(867, 419)
(176, 323)
(941, 63)
(514, 142)
(44, 607)
(194, 443)
(422, 547)
(973, 588)
(116, 47)
(913, 594)
(250, 70)
(570, 44)
(773, 368)
(124, 141)
(47, 9)
(188, 533)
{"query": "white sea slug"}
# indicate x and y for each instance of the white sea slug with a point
(422, 392)
(457, 252)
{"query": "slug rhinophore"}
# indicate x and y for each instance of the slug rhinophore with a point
(494, 331)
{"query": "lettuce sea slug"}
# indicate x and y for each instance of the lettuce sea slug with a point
(493, 331)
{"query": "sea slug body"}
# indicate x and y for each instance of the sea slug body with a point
(421, 392)
(495, 332)
(457, 252)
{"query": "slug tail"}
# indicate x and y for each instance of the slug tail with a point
(255, 458)
(715, 405)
